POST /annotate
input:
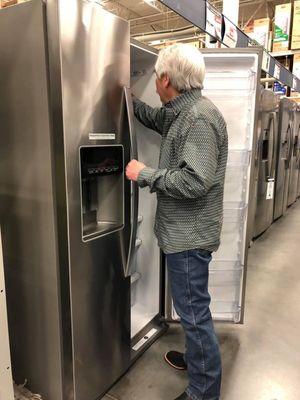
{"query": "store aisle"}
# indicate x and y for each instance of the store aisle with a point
(261, 359)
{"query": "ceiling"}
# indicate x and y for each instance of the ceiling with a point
(150, 16)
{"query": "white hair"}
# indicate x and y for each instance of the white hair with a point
(184, 64)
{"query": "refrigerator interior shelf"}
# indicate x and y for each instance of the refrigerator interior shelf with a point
(232, 232)
(224, 316)
(225, 277)
(238, 158)
(216, 265)
(232, 213)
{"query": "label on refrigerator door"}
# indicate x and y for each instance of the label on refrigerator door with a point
(270, 189)
(102, 136)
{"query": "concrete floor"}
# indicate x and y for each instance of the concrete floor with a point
(261, 359)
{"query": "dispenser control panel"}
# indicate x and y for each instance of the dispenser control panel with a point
(98, 161)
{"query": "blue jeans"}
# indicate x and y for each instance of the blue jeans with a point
(188, 277)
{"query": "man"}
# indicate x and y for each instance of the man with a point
(189, 184)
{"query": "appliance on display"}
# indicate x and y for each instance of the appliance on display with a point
(78, 242)
(295, 185)
(266, 161)
(284, 156)
(294, 164)
(297, 124)
(82, 266)
(6, 382)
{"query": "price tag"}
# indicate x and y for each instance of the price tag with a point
(277, 72)
(270, 189)
(294, 83)
(266, 62)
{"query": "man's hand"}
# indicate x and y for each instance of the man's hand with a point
(133, 169)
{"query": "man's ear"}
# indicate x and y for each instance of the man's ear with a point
(166, 81)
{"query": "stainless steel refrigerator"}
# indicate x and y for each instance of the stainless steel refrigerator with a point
(85, 283)
(295, 155)
(284, 156)
(83, 276)
(297, 127)
(266, 161)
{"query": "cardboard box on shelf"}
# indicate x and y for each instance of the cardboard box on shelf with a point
(296, 26)
(261, 31)
(282, 27)
(249, 29)
(6, 3)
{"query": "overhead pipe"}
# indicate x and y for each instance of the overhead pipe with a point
(170, 34)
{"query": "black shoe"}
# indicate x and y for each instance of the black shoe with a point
(183, 396)
(176, 360)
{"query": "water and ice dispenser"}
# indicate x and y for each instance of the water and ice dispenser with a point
(102, 190)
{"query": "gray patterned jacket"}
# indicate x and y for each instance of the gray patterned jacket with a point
(189, 181)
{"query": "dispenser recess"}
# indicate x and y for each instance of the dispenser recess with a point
(102, 190)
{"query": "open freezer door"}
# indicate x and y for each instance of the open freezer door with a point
(232, 83)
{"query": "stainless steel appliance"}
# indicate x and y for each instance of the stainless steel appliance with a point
(79, 248)
(284, 156)
(266, 161)
(294, 164)
(6, 382)
(297, 124)
(72, 247)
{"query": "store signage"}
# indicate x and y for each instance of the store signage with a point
(231, 36)
(213, 22)
(266, 62)
(277, 72)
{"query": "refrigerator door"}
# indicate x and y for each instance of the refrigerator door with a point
(294, 165)
(266, 162)
(146, 270)
(232, 83)
(297, 127)
(284, 157)
(27, 204)
(6, 382)
(94, 48)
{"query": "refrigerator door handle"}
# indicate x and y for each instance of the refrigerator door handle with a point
(134, 185)
(289, 147)
(298, 146)
(272, 146)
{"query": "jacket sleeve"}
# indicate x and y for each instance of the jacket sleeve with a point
(152, 118)
(197, 167)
